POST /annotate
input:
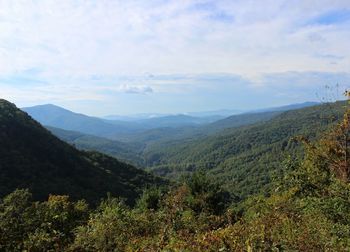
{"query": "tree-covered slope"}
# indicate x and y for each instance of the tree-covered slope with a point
(308, 209)
(126, 152)
(31, 157)
(244, 158)
(55, 116)
(183, 133)
(177, 121)
(150, 130)
(130, 150)
(239, 120)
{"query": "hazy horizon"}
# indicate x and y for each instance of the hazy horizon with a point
(200, 113)
(130, 57)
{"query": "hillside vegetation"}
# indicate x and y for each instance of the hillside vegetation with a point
(131, 146)
(307, 210)
(31, 157)
(55, 116)
(244, 152)
(150, 130)
(126, 152)
(244, 159)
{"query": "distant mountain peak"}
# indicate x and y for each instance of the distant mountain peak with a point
(34, 158)
(48, 107)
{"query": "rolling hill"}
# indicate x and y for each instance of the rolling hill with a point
(184, 133)
(244, 159)
(126, 152)
(55, 116)
(180, 120)
(158, 128)
(140, 148)
(31, 157)
(131, 146)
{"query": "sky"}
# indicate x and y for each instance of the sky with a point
(104, 57)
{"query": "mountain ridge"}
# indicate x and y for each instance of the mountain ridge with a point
(244, 158)
(31, 157)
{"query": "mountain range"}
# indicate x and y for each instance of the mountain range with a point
(32, 157)
(55, 116)
(228, 148)
(244, 159)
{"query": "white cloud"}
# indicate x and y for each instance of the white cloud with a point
(135, 89)
(177, 93)
(131, 37)
(121, 42)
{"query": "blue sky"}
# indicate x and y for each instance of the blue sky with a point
(125, 57)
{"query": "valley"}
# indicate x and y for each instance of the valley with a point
(174, 126)
(211, 176)
(242, 152)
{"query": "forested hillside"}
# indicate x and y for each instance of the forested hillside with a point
(174, 126)
(127, 152)
(243, 152)
(132, 146)
(31, 157)
(238, 121)
(150, 130)
(244, 159)
(179, 120)
(307, 210)
(183, 133)
(55, 116)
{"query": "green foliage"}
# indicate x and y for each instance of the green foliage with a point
(126, 152)
(108, 229)
(244, 159)
(207, 195)
(150, 199)
(34, 226)
(307, 210)
(133, 145)
(31, 157)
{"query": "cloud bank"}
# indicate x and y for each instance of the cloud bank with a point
(101, 48)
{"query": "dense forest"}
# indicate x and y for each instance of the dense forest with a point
(305, 208)
(242, 152)
(31, 157)
(244, 159)
(127, 152)
(174, 126)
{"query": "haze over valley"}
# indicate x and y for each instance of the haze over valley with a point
(158, 125)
